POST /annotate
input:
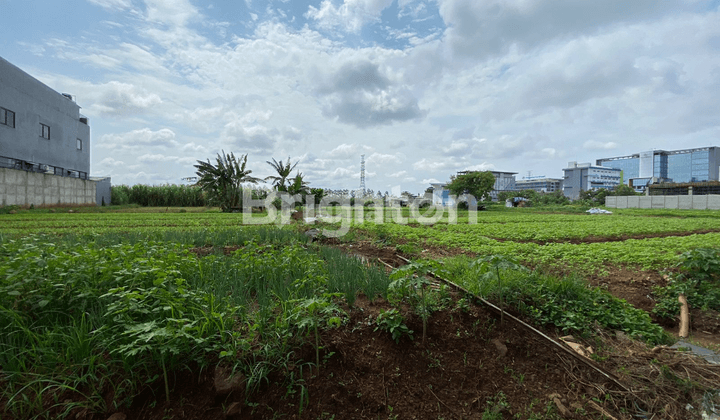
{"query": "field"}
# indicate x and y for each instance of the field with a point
(191, 314)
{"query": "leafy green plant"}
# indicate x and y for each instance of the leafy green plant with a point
(393, 322)
(410, 282)
(308, 314)
(490, 267)
(697, 277)
(564, 302)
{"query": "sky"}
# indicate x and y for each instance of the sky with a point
(421, 88)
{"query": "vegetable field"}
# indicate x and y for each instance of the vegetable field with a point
(195, 315)
(583, 242)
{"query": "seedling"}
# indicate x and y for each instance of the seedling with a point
(493, 264)
(392, 322)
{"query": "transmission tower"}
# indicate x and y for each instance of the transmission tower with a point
(362, 173)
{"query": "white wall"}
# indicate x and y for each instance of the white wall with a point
(687, 202)
(25, 188)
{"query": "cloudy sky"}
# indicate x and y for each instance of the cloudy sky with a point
(422, 88)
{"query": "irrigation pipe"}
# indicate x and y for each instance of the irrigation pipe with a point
(534, 330)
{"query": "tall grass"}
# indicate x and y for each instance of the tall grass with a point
(169, 195)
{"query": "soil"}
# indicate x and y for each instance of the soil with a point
(469, 364)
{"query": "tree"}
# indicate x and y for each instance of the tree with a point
(283, 173)
(318, 193)
(298, 185)
(222, 183)
(478, 184)
(594, 197)
(623, 189)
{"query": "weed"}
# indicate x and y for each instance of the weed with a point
(392, 322)
(495, 406)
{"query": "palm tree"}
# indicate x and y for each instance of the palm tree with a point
(223, 182)
(298, 185)
(283, 172)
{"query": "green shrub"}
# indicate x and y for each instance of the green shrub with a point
(697, 277)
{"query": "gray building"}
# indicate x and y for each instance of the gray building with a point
(41, 130)
(676, 166)
(539, 184)
(579, 177)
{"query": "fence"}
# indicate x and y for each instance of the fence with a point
(686, 202)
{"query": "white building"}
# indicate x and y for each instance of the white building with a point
(540, 184)
(584, 177)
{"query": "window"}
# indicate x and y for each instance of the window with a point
(7, 117)
(45, 131)
(79, 144)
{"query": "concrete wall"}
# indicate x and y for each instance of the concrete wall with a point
(25, 188)
(102, 191)
(686, 202)
(34, 103)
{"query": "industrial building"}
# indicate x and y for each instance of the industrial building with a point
(504, 181)
(43, 134)
(579, 177)
(667, 166)
(540, 184)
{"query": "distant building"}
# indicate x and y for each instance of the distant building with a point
(504, 181)
(41, 130)
(539, 184)
(668, 166)
(579, 177)
(44, 145)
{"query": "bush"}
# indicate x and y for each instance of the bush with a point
(698, 278)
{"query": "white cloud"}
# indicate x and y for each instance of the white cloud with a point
(156, 158)
(359, 94)
(383, 159)
(124, 99)
(112, 4)
(598, 145)
(108, 161)
(352, 15)
(347, 151)
(254, 138)
(142, 137)
(432, 165)
(171, 12)
(492, 27)
(485, 166)
(344, 173)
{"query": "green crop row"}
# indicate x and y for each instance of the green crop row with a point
(565, 303)
(82, 316)
(649, 253)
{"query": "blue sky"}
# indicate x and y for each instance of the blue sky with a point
(422, 88)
